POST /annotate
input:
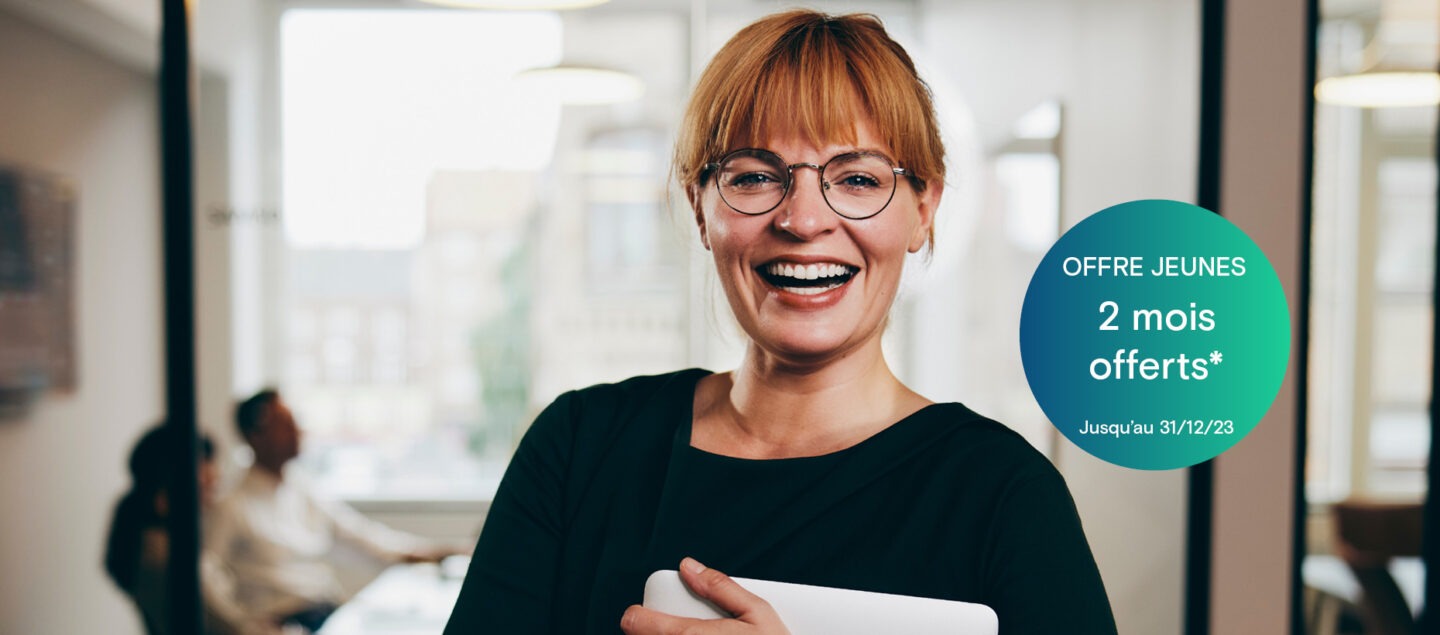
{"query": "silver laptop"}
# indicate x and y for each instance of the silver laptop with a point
(814, 610)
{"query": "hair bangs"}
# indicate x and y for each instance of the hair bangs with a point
(809, 76)
(806, 91)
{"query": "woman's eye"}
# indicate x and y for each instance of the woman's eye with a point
(753, 180)
(858, 181)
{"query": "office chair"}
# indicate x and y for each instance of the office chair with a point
(1369, 534)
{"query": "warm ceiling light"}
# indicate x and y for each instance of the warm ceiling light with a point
(1396, 67)
(582, 85)
(1382, 89)
(518, 5)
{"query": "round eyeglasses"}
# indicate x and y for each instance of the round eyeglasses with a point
(856, 185)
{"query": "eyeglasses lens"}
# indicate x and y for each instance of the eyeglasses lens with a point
(858, 185)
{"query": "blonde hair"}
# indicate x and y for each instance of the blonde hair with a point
(813, 74)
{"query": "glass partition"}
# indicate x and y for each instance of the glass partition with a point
(1372, 310)
(421, 245)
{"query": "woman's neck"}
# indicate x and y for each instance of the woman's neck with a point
(772, 408)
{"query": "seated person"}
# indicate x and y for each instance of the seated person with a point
(137, 549)
(276, 536)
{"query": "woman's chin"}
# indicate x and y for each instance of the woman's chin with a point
(802, 345)
(819, 327)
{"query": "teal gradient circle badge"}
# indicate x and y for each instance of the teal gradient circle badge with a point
(1155, 334)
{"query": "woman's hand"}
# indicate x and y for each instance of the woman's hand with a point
(753, 616)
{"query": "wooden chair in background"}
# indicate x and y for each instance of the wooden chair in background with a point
(1368, 535)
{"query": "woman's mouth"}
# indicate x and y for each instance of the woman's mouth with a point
(806, 279)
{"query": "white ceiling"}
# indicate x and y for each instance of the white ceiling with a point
(143, 15)
(91, 18)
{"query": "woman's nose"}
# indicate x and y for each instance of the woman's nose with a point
(804, 213)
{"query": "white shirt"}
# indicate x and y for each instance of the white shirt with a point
(152, 595)
(277, 538)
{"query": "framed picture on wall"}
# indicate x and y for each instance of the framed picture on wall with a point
(37, 285)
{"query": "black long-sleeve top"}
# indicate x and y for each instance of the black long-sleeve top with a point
(605, 489)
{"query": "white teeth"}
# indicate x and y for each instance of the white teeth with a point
(811, 290)
(808, 272)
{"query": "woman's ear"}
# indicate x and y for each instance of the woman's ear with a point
(928, 201)
(694, 194)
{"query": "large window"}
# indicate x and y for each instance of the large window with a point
(431, 230)
(1373, 275)
(460, 247)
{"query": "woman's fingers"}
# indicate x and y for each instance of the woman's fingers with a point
(639, 620)
(752, 614)
(726, 593)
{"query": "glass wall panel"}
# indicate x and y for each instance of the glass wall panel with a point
(422, 246)
(1372, 275)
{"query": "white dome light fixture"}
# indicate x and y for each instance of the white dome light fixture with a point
(1381, 89)
(518, 5)
(1397, 66)
(577, 85)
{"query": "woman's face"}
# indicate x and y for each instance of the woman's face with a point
(759, 258)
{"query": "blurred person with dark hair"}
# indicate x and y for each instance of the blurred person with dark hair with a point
(137, 549)
(277, 537)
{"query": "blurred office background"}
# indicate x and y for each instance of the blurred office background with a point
(1372, 308)
(422, 232)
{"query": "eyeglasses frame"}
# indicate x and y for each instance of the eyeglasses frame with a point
(709, 168)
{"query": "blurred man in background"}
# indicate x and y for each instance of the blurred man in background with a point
(278, 538)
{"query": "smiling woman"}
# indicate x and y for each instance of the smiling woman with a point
(805, 230)
(813, 164)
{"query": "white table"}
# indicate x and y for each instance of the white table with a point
(406, 599)
(1331, 588)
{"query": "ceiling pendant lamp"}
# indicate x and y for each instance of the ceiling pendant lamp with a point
(577, 84)
(518, 5)
(1379, 88)
(1399, 62)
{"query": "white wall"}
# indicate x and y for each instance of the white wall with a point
(235, 151)
(69, 111)
(1127, 75)
(230, 177)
